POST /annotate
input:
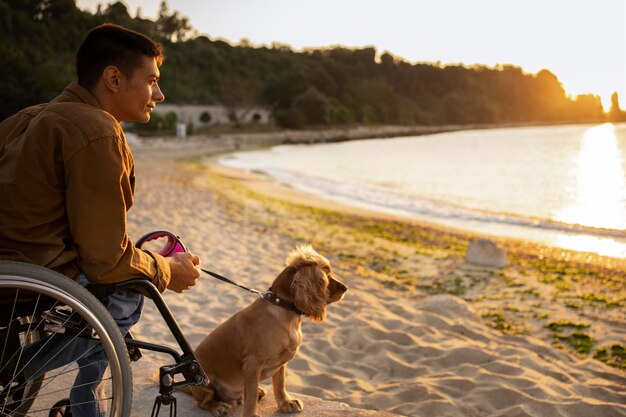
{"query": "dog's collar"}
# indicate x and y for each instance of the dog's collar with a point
(271, 297)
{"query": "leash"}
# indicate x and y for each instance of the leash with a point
(174, 245)
(269, 295)
(229, 281)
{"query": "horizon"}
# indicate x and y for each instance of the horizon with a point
(571, 39)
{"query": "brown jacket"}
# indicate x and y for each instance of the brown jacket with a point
(66, 182)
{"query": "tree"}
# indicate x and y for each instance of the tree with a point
(587, 107)
(387, 60)
(32, 8)
(315, 106)
(172, 26)
(38, 40)
(117, 11)
(616, 114)
(290, 118)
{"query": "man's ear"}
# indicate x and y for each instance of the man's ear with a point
(112, 78)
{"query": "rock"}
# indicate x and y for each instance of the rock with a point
(484, 252)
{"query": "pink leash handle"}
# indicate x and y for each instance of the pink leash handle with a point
(172, 246)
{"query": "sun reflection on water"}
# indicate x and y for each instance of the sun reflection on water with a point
(600, 182)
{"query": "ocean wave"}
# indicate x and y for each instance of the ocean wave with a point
(408, 205)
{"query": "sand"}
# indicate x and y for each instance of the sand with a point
(419, 333)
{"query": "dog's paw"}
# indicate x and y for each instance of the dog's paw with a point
(260, 394)
(221, 409)
(291, 406)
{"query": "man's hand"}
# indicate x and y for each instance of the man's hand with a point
(184, 271)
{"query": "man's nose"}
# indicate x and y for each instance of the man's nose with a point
(157, 94)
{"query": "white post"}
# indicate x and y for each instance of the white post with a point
(181, 130)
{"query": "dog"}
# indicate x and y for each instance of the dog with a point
(257, 342)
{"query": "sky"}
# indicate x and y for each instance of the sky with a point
(583, 42)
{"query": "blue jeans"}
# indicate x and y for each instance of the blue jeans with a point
(87, 395)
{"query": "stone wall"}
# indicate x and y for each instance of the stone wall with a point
(215, 115)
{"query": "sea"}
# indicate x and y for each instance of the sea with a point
(564, 186)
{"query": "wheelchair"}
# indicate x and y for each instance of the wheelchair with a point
(40, 308)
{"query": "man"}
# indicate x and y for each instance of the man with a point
(67, 181)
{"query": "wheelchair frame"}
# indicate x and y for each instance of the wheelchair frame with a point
(185, 364)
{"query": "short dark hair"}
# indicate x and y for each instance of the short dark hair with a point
(110, 44)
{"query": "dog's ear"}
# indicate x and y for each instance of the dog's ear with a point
(310, 290)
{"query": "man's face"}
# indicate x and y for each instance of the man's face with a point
(140, 93)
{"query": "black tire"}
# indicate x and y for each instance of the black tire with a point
(57, 306)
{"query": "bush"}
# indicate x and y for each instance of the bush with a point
(290, 118)
(315, 106)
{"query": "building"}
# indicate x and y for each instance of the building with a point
(215, 115)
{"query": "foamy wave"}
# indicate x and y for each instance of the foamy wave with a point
(390, 201)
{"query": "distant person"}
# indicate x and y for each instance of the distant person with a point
(67, 180)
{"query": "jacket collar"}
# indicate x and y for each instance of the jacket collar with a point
(75, 92)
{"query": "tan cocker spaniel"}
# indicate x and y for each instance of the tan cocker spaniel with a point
(258, 341)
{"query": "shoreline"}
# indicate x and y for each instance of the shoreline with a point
(421, 332)
(267, 186)
(172, 147)
(211, 147)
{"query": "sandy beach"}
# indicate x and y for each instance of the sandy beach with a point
(420, 332)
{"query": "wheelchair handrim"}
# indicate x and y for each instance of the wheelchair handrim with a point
(13, 281)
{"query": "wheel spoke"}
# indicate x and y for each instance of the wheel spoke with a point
(56, 323)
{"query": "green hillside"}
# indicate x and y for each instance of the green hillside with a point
(312, 88)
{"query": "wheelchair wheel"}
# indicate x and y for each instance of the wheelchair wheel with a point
(24, 398)
(61, 409)
(42, 315)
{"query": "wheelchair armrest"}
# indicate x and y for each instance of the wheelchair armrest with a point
(141, 285)
(146, 287)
